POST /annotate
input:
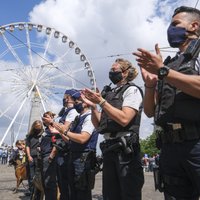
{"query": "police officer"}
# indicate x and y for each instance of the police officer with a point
(65, 120)
(119, 121)
(83, 140)
(172, 96)
(48, 159)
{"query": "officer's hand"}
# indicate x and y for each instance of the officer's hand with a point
(85, 98)
(59, 127)
(149, 78)
(149, 61)
(47, 120)
(90, 97)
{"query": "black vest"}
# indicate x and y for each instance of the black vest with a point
(174, 105)
(115, 98)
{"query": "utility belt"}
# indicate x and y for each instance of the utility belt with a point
(178, 132)
(125, 144)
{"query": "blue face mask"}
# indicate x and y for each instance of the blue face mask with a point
(176, 36)
(79, 107)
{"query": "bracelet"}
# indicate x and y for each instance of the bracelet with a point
(102, 102)
(149, 87)
(65, 133)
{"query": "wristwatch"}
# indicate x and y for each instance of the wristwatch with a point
(163, 72)
(65, 133)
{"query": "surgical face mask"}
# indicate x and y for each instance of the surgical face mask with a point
(115, 77)
(79, 107)
(176, 36)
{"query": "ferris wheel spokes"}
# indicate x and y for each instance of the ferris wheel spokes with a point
(10, 106)
(12, 50)
(47, 45)
(14, 118)
(29, 47)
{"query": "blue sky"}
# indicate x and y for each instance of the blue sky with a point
(102, 29)
(16, 10)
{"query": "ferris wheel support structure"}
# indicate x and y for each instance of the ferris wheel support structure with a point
(37, 107)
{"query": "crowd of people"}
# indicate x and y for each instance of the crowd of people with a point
(5, 152)
(65, 151)
(149, 163)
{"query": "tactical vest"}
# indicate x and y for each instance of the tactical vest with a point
(64, 115)
(46, 144)
(115, 98)
(76, 128)
(174, 105)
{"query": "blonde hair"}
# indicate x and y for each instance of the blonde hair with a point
(36, 123)
(126, 65)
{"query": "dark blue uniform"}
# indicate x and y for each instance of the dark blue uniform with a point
(48, 168)
(61, 158)
(81, 163)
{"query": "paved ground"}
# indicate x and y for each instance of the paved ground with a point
(7, 183)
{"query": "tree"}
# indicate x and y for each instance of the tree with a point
(148, 145)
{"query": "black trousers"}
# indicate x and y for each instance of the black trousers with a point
(180, 166)
(62, 175)
(79, 187)
(32, 169)
(123, 176)
(49, 178)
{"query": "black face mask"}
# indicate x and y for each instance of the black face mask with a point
(37, 131)
(115, 77)
(79, 107)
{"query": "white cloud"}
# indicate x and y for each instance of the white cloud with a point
(104, 28)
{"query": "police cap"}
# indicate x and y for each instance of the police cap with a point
(73, 93)
(76, 95)
(70, 92)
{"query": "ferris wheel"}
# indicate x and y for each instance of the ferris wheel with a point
(37, 64)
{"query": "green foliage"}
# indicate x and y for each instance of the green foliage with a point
(148, 145)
